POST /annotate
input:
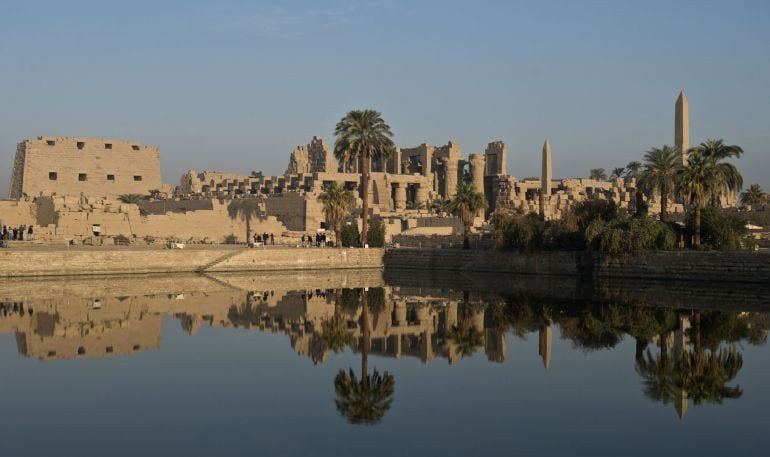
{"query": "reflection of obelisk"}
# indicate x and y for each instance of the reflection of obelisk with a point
(682, 126)
(681, 403)
(545, 178)
(546, 335)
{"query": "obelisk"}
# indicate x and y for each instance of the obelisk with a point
(547, 175)
(682, 126)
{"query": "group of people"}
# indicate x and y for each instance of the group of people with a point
(19, 233)
(320, 240)
(264, 239)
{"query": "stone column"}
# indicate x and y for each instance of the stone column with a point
(477, 171)
(450, 178)
(421, 196)
(400, 199)
(400, 313)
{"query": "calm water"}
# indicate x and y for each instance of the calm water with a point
(251, 365)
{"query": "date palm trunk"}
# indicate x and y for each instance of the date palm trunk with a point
(365, 197)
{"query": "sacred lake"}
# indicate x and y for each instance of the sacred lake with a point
(393, 363)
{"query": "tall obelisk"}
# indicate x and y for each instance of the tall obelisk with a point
(545, 178)
(682, 126)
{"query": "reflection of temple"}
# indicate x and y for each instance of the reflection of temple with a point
(89, 322)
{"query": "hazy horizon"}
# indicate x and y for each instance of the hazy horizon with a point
(236, 86)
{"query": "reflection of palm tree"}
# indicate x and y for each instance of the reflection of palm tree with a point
(334, 333)
(701, 377)
(465, 335)
(364, 401)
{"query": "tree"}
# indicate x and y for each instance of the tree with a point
(633, 169)
(598, 174)
(364, 400)
(617, 173)
(363, 135)
(133, 199)
(245, 209)
(727, 179)
(753, 196)
(336, 201)
(659, 174)
(466, 204)
(694, 181)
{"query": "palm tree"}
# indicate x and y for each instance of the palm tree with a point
(245, 209)
(660, 170)
(632, 169)
(133, 199)
(364, 401)
(617, 173)
(598, 174)
(694, 181)
(753, 196)
(466, 204)
(363, 135)
(337, 202)
(728, 179)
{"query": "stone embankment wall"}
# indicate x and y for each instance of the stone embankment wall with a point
(690, 265)
(492, 261)
(684, 266)
(15, 263)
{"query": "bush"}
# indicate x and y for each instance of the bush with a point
(231, 239)
(623, 236)
(718, 230)
(375, 234)
(516, 232)
(530, 233)
(588, 211)
(351, 237)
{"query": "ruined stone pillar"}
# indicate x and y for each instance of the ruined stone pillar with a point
(478, 165)
(450, 178)
(400, 313)
(400, 199)
(421, 196)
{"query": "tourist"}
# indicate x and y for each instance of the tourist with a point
(303, 240)
(30, 235)
(272, 240)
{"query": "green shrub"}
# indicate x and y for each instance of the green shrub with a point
(375, 234)
(516, 232)
(231, 239)
(351, 237)
(718, 229)
(622, 236)
(586, 212)
(530, 233)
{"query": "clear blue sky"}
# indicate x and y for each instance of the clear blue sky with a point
(236, 85)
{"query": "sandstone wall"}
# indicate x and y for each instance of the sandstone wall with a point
(54, 165)
(300, 259)
(14, 213)
(145, 261)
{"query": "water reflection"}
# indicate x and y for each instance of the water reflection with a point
(682, 355)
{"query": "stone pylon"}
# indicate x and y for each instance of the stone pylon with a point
(546, 177)
(682, 126)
